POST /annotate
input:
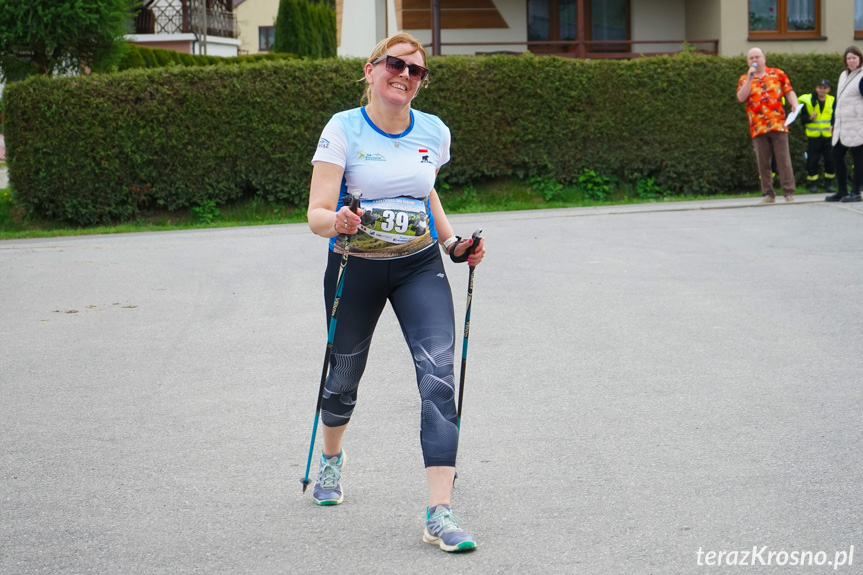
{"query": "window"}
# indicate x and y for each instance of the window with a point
(858, 19)
(785, 18)
(551, 20)
(609, 21)
(266, 38)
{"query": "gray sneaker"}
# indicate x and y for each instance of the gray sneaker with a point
(442, 530)
(328, 489)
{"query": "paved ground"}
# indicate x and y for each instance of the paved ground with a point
(644, 383)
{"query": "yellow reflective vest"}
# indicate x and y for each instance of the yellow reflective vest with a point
(820, 126)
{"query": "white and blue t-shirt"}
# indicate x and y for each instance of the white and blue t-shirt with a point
(395, 172)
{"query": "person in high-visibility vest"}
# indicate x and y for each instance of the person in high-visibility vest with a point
(817, 118)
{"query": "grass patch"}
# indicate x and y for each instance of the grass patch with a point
(500, 195)
(15, 224)
(536, 193)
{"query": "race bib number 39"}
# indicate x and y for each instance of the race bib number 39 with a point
(390, 227)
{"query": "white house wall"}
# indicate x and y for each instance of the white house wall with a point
(514, 12)
(359, 28)
(218, 46)
(251, 15)
(362, 28)
(703, 20)
(657, 20)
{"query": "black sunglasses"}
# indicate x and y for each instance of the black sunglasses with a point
(396, 65)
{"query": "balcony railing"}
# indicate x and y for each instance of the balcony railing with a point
(607, 49)
(186, 16)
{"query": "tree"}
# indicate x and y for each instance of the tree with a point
(306, 29)
(314, 45)
(55, 36)
(290, 29)
(331, 47)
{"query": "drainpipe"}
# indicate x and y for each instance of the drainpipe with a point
(203, 4)
(435, 27)
(194, 17)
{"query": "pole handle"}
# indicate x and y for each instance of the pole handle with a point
(475, 238)
(355, 200)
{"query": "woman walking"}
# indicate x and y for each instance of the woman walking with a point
(392, 154)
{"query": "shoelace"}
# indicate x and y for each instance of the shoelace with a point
(329, 475)
(445, 521)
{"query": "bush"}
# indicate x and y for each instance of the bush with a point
(144, 57)
(97, 149)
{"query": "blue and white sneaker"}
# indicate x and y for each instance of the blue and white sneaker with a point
(328, 487)
(442, 530)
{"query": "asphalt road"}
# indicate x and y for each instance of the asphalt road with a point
(645, 386)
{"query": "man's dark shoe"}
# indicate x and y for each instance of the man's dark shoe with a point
(813, 188)
(852, 198)
(837, 197)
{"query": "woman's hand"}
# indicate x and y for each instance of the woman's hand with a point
(347, 222)
(476, 257)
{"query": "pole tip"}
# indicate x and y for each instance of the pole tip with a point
(305, 483)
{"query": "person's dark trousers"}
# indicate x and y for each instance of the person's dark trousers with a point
(779, 141)
(842, 170)
(816, 148)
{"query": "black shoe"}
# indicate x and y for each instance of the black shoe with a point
(837, 197)
(813, 188)
(830, 189)
(853, 198)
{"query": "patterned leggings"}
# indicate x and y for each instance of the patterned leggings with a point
(417, 288)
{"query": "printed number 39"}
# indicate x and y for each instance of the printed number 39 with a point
(397, 221)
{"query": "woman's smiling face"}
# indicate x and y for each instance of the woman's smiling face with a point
(395, 88)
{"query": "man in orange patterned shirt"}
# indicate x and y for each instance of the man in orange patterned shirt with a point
(763, 89)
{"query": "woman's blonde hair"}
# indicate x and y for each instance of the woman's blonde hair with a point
(383, 47)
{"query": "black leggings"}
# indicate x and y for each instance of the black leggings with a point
(417, 288)
(842, 169)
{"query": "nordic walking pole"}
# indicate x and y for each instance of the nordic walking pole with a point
(476, 237)
(340, 282)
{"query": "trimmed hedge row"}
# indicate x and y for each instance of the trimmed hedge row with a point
(144, 57)
(96, 149)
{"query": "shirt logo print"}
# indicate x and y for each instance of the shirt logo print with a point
(369, 157)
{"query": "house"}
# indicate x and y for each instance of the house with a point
(189, 26)
(603, 28)
(580, 28)
(256, 20)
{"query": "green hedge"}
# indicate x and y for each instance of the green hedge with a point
(144, 57)
(96, 149)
